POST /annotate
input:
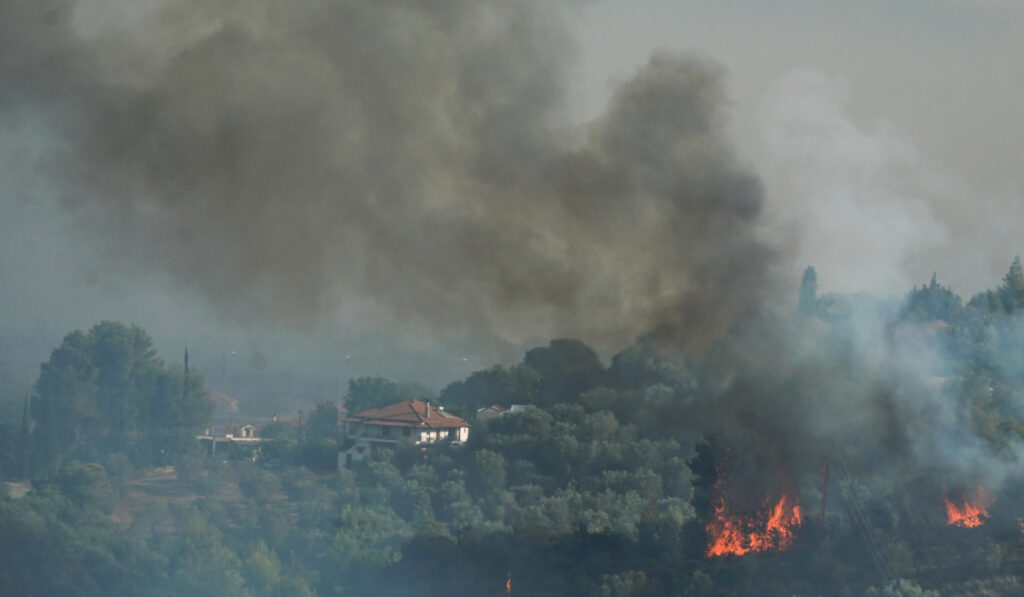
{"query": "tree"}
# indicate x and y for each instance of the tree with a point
(87, 486)
(566, 368)
(64, 408)
(368, 537)
(24, 449)
(933, 303)
(258, 484)
(1008, 297)
(323, 422)
(638, 367)
(126, 367)
(106, 391)
(986, 301)
(902, 587)
(1011, 291)
(262, 569)
(203, 565)
(808, 292)
(9, 451)
(496, 385)
(365, 393)
(489, 475)
(278, 430)
(179, 408)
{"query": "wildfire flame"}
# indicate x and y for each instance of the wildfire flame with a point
(770, 530)
(970, 511)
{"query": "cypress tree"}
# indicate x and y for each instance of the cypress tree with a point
(24, 440)
(808, 292)
(1011, 292)
(184, 389)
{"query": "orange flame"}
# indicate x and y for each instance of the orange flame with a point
(732, 534)
(971, 511)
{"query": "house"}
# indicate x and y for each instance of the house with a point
(492, 411)
(412, 420)
(489, 412)
(238, 440)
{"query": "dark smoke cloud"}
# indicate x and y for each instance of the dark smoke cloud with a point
(286, 159)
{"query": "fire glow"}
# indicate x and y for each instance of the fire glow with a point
(770, 530)
(971, 511)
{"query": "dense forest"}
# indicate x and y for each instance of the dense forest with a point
(872, 449)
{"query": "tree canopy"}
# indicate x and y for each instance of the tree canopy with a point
(106, 391)
(604, 485)
(374, 392)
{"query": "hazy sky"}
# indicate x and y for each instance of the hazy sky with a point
(889, 136)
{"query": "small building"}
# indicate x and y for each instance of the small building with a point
(489, 412)
(412, 420)
(233, 441)
(494, 410)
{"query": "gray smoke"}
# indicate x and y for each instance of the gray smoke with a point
(288, 159)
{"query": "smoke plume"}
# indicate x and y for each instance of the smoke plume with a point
(286, 160)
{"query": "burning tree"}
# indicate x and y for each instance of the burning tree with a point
(769, 529)
(968, 510)
(733, 529)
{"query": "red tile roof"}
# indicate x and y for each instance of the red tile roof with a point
(409, 413)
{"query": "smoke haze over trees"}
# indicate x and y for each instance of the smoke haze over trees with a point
(604, 485)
